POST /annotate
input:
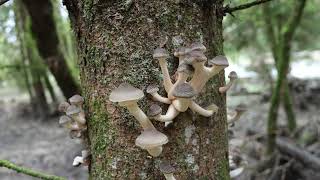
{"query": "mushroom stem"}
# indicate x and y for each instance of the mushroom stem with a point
(182, 77)
(181, 104)
(214, 70)
(235, 117)
(155, 151)
(169, 176)
(169, 116)
(201, 76)
(203, 112)
(166, 76)
(134, 109)
(158, 97)
(225, 88)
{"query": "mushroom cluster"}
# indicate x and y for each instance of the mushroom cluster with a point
(74, 120)
(193, 72)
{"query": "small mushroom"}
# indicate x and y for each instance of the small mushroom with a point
(75, 112)
(155, 113)
(75, 134)
(76, 100)
(77, 161)
(152, 140)
(180, 53)
(161, 55)
(218, 63)
(153, 90)
(167, 170)
(204, 112)
(232, 76)
(63, 106)
(183, 92)
(184, 71)
(239, 110)
(198, 46)
(128, 96)
(65, 121)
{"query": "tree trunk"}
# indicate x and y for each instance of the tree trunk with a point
(45, 34)
(115, 45)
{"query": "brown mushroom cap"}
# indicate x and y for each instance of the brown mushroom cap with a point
(152, 88)
(233, 75)
(160, 53)
(198, 46)
(154, 110)
(183, 90)
(64, 120)
(195, 56)
(185, 68)
(219, 61)
(73, 110)
(166, 168)
(63, 106)
(125, 92)
(76, 100)
(151, 138)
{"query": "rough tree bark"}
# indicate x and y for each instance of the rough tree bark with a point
(45, 33)
(115, 44)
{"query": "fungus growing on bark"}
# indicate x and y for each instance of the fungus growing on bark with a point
(204, 112)
(184, 71)
(161, 55)
(183, 92)
(152, 140)
(198, 46)
(239, 110)
(76, 100)
(153, 90)
(75, 113)
(75, 134)
(167, 170)
(63, 106)
(232, 76)
(127, 96)
(218, 63)
(181, 53)
(155, 111)
(77, 161)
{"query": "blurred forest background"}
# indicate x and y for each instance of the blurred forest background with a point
(274, 51)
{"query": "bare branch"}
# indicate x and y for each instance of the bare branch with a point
(230, 10)
(3, 1)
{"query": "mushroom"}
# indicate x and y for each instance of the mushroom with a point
(218, 63)
(77, 161)
(75, 134)
(183, 92)
(75, 112)
(152, 140)
(161, 54)
(76, 100)
(181, 53)
(239, 110)
(67, 122)
(167, 170)
(204, 112)
(232, 76)
(63, 106)
(184, 71)
(198, 46)
(128, 96)
(153, 90)
(155, 113)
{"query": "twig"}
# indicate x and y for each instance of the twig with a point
(230, 10)
(3, 1)
(27, 171)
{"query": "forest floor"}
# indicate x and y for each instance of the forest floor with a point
(44, 146)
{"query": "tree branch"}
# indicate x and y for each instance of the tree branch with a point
(230, 10)
(3, 1)
(27, 171)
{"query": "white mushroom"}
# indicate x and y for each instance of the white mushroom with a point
(77, 161)
(161, 55)
(204, 112)
(167, 171)
(152, 140)
(63, 106)
(232, 76)
(76, 114)
(183, 93)
(153, 90)
(155, 113)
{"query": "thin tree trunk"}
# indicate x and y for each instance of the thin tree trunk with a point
(115, 44)
(45, 34)
(49, 87)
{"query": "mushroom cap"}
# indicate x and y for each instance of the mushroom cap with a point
(166, 168)
(160, 53)
(180, 51)
(63, 106)
(152, 88)
(73, 110)
(198, 46)
(125, 92)
(195, 56)
(233, 75)
(76, 99)
(154, 110)
(185, 68)
(64, 120)
(184, 90)
(241, 107)
(151, 138)
(219, 61)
